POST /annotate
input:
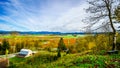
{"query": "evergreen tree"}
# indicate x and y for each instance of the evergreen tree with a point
(5, 46)
(59, 54)
(0, 47)
(61, 45)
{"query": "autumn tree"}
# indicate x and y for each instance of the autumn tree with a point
(18, 47)
(102, 11)
(81, 44)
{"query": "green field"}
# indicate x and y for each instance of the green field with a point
(48, 60)
(23, 36)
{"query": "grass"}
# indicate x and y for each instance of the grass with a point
(23, 36)
(49, 60)
(12, 36)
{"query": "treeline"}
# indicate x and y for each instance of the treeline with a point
(14, 45)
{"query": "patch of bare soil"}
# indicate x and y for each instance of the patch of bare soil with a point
(3, 62)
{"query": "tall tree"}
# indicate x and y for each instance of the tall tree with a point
(103, 11)
(5, 45)
(0, 47)
(61, 47)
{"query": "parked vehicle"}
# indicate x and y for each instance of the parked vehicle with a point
(25, 53)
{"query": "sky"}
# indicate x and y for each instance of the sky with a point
(42, 15)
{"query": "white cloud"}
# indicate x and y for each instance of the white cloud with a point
(72, 19)
(40, 15)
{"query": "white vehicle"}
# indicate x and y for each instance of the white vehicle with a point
(25, 53)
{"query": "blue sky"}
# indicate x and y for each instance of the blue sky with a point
(42, 15)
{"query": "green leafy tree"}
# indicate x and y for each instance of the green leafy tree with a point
(5, 46)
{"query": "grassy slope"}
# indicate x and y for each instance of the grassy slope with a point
(48, 60)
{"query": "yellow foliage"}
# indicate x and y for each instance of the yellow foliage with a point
(91, 45)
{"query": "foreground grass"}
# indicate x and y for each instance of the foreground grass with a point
(49, 60)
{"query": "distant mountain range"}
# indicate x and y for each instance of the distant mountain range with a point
(39, 32)
(42, 32)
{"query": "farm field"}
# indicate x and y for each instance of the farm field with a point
(22, 36)
(38, 41)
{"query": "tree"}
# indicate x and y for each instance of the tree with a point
(103, 10)
(5, 45)
(0, 47)
(61, 47)
(18, 47)
(58, 54)
(82, 44)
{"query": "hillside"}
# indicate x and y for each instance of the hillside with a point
(78, 60)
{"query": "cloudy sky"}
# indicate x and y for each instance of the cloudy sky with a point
(42, 15)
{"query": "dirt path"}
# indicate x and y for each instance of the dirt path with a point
(9, 55)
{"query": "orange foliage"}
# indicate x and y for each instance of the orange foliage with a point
(69, 41)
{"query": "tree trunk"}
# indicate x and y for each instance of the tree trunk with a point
(114, 42)
(108, 6)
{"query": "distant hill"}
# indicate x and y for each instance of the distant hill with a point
(39, 32)
(44, 32)
(29, 32)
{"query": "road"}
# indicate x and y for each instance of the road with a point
(13, 55)
(9, 55)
